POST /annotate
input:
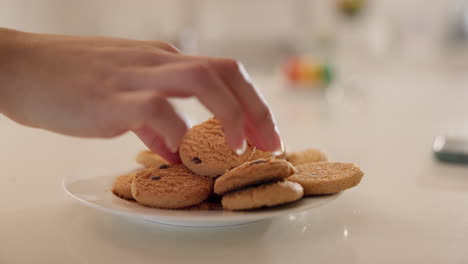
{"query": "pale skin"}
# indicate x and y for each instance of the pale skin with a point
(101, 87)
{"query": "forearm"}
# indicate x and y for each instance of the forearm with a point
(11, 42)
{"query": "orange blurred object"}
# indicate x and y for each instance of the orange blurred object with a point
(307, 71)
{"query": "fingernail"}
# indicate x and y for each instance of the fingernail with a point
(278, 143)
(241, 150)
(244, 72)
(279, 151)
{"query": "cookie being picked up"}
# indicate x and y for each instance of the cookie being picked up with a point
(150, 159)
(258, 184)
(205, 152)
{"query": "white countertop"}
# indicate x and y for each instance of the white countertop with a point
(408, 209)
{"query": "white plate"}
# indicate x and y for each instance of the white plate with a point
(94, 190)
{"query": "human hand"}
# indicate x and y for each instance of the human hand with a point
(103, 87)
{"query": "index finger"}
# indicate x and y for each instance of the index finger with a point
(260, 125)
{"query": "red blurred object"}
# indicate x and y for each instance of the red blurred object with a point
(292, 69)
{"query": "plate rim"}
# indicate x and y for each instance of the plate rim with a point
(207, 217)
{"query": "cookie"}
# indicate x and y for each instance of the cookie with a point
(205, 152)
(253, 173)
(282, 156)
(149, 159)
(306, 156)
(266, 195)
(122, 186)
(259, 154)
(170, 187)
(327, 177)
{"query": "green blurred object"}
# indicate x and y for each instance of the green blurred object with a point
(351, 8)
(327, 74)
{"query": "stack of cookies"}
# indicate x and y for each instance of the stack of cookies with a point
(213, 177)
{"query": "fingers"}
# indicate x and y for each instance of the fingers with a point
(260, 125)
(138, 56)
(222, 85)
(126, 52)
(153, 119)
(156, 144)
(115, 42)
(165, 46)
(194, 79)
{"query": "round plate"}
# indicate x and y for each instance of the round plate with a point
(94, 190)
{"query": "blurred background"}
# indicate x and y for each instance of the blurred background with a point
(263, 33)
(312, 41)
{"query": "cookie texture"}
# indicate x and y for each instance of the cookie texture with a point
(171, 187)
(306, 156)
(205, 152)
(266, 195)
(149, 159)
(122, 186)
(259, 154)
(327, 177)
(253, 172)
(282, 156)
